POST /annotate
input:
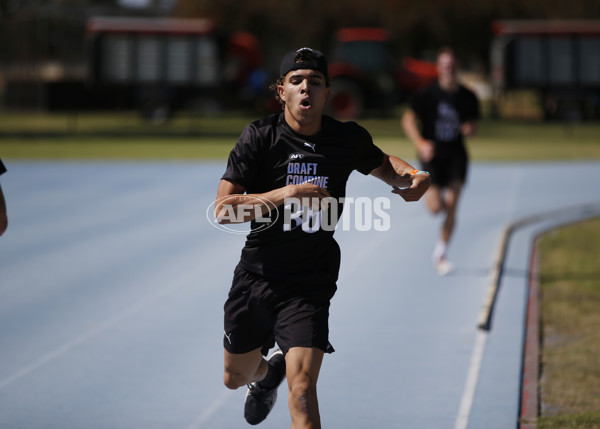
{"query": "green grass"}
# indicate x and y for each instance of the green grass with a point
(570, 421)
(125, 136)
(120, 135)
(117, 122)
(570, 284)
(111, 148)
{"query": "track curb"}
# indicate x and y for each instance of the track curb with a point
(529, 405)
(530, 392)
(583, 211)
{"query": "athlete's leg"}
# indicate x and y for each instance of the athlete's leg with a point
(244, 368)
(303, 365)
(451, 197)
(433, 199)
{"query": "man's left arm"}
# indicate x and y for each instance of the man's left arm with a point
(406, 181)
(468, 128)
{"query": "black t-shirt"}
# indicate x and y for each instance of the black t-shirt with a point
(270, 155)
(2, 168)
(441, 113)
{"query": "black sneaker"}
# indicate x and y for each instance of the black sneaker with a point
(260, 401)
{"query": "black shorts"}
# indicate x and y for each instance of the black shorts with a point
(448, 165)
(260, 312)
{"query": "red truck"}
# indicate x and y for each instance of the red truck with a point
(366, 78)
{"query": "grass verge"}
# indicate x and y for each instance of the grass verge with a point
(570, 284)
(124, 136)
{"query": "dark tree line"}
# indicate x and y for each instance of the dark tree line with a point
(417, 28)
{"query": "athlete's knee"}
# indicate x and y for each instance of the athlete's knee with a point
(233, 380)
(436, 206)
(230, 382)
(436, 209)
(434, 201)
(303, 392)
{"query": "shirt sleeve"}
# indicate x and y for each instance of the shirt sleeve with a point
(243, 162)
(2, 168)
(417, 104)
(472, 110)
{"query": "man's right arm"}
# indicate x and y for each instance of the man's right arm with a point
(234, 206)
(425, 148)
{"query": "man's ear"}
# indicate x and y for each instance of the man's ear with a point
(281, 92)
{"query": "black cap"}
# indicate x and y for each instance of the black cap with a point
(316, 61)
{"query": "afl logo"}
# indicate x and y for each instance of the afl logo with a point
(234, 215)
(296, 156)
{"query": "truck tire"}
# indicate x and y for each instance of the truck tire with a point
(347, 101)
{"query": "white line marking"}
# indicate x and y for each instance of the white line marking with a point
(211, 409)
(462, 420)
(95, 330)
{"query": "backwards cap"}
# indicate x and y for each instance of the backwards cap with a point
(318, 62)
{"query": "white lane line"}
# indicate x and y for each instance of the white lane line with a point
(462, 420)
(98, 329)
(211, 409)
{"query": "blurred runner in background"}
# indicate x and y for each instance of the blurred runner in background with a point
(447, 113)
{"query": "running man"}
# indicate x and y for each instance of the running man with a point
(447, 112)
(287, 273)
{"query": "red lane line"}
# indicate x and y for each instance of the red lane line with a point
(531, 354)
